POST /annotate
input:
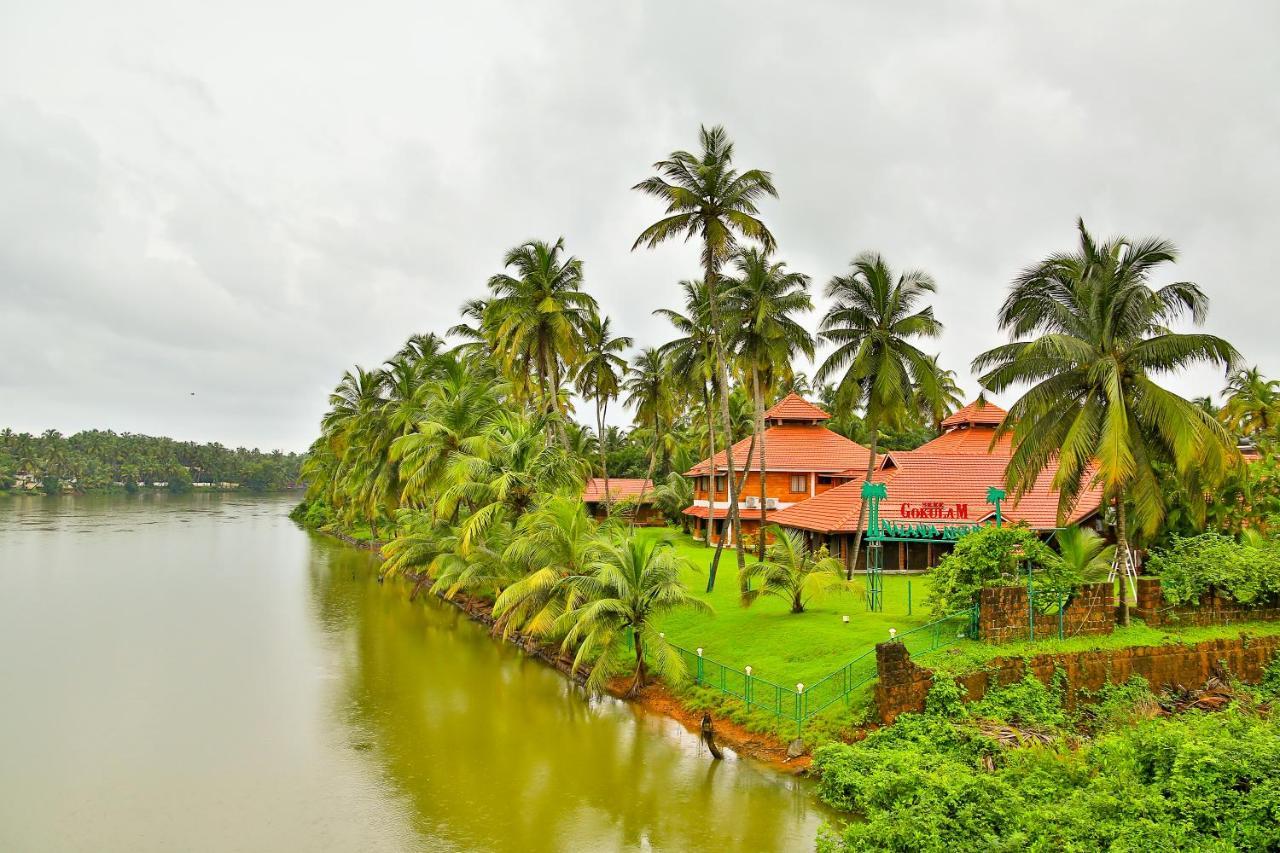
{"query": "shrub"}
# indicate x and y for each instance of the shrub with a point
(1192, 565)
(989, 556)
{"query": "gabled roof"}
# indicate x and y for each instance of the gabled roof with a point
(979, 412)
(917, 478)
(620, 488)
(793, 447)
(793, 407)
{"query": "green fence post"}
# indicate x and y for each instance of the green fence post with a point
(908, 598)
(747, 669)
(698, 678)
(799, 708)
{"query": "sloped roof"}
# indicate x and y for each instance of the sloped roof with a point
(794, 447)
(916, 478)
(793, 407)
(620, 488)
(970, 440)
(977, 412)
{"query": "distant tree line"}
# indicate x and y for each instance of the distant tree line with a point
(100, 460)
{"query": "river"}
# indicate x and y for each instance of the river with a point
(196, 673)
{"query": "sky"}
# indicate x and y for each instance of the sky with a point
(208, 211)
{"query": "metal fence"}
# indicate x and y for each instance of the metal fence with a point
(804, 702)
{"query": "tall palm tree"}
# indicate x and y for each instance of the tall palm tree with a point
(1253, 403)
(761, 301)
(873, 320)
(649, 392)
(1087, 334)
(632, 581)
(693, 361)
(537, 315)
(600, 377)
(793, 572)
(948, 398)
(708, 199)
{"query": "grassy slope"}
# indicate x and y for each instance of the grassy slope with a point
(781, 646)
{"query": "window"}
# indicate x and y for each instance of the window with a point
(799, 483)
(720, 484)
(825, 480)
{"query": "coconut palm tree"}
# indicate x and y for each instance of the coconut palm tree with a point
(1253, 403)
(693, 361)
(631, 582)
(708, 199)
(464, 400)
(1088, 333)
(873, 321)
(649, 393)
(761, 301)
(1085, 555)
(537, 315)
(673, 496)
(497, 475)
(792, 572)
(948, 398)
(555, 541)
(600, 378)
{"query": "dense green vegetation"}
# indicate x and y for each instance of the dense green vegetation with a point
(1248, 571)
(1018, 771)
(97, 460)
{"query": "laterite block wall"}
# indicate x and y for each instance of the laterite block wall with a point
(1005, 617)
(1212, 609)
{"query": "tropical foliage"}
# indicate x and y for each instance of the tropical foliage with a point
(792, 572)
(1247, 571)
(97, 460)
(1089, 335)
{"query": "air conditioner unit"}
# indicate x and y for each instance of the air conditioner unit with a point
(770, 503)
(753, 503)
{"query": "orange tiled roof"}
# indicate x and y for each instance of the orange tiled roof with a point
(969, 440)
(793, 407)
(977, 412)
(620, 488)
(917, 478)
(794, 447)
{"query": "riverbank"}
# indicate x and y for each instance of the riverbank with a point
(656, 698)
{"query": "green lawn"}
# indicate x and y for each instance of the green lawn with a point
(780, 646)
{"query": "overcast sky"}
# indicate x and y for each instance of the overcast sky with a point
(242, 199)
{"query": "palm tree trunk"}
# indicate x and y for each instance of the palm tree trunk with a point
(707, 395)
(715, 560)
(873, 418)
(1122, 551)
(759, 425)
(639, 682)
(653, 459)
(726, 423)
(604, 458)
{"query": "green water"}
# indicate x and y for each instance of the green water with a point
(196, 673)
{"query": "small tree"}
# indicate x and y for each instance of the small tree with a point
(992, 556)
(792, 572)
(633, 581)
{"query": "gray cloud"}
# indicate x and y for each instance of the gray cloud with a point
(241, 200)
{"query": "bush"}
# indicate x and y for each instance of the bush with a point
(1198, 781)
(1195, 564)
(989, 556)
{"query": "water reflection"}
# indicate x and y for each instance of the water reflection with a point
(497, 751)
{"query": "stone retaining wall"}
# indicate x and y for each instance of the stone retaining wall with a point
(1212, 609)
(903, 685)
(1004, 615)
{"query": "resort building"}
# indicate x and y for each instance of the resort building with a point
(942, 482)
(803, 459)
(626, 491)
